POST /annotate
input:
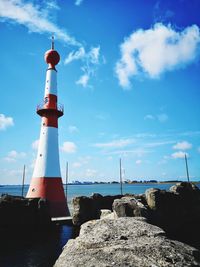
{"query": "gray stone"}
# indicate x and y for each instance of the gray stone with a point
(152, 196)
(125, 242)
(83, 210)
(89, 208)
(105, 213)
(129, 207)
(177, 211)
(187, 191)
(17, 211)
(184, 187)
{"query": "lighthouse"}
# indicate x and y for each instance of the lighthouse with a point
(46, 181)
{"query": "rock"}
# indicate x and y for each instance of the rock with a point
(152, 196)
(89, 208)
(16, 211)
(105, 213)
(161, 200)
(188, 192)
(184, 188)
(125, 242)
(83, 210)
(108, 214)
(129, 207)
(176, 211)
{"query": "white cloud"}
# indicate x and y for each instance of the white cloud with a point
(149, 117)
(162, 117)
(76, 165)
(90, 173)
(78, 2)
(183, 145)
(138, 152)
(115, 143)
(90, 61)
(179, 155)
(83, 80)
(35, 144)
(156, 50)
(162, 161)
(69, 147)
(73, 129)
(104, 116)
(94, 54)
(13, 155)
(75, 55)
(81, 161)
(34, 18)
(159, 143)
(191, 133)
(138, 162)
(52, 5)
(11, 176)
(5, 122)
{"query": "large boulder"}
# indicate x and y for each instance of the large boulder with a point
(160, 199)
(89, 208)
(125, 242)
(189, 194)
(16, 211)
(129, 207)
(177, 210)
(83, 210)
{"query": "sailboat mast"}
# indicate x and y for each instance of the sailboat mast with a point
(186, 164)
(120, 174)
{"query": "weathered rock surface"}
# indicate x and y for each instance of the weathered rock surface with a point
(177, 209)
(89, 208)
(22, 212)
(125, 242)
(129, 207)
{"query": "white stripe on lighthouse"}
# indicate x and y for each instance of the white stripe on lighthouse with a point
(51, 82)
(47, 162)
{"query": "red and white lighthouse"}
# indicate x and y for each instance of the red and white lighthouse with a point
(46, 181)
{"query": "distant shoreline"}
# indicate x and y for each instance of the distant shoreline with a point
(114, 182)
(159, 182)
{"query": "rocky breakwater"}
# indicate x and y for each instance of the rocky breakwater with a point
(126, 236)
(124, 242)
(177, 211)
(16, 212)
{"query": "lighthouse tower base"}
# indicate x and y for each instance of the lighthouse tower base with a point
(50, 188)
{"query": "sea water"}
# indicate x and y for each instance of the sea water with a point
(87, 190)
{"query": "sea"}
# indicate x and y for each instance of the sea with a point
(42, 249)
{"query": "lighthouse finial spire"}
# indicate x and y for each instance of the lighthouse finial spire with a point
(52, 42)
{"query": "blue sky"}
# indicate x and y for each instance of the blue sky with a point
(129, 80)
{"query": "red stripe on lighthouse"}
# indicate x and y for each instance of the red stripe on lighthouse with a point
(50, 188)
(50, 101)
(50, 121)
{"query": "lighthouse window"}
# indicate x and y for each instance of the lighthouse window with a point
(43, 124)
(40, 155)
(46, 100)
(33, 190)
